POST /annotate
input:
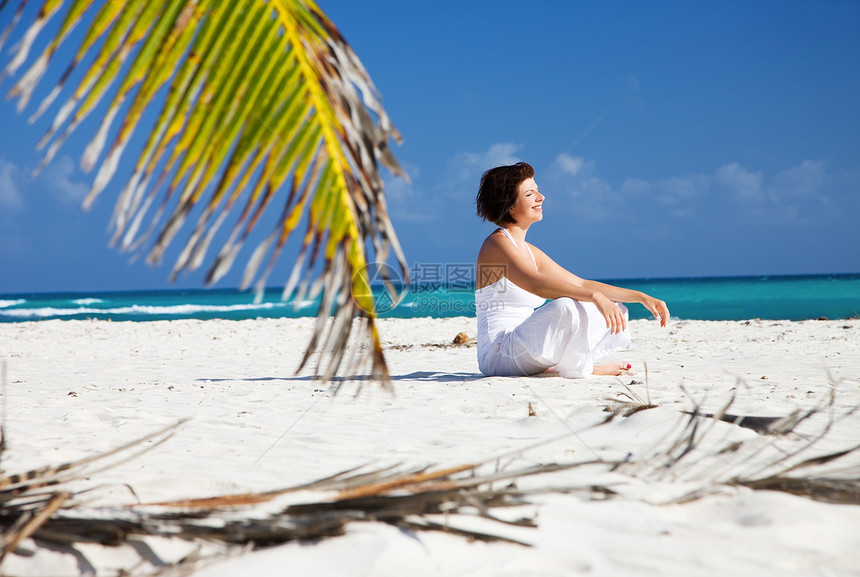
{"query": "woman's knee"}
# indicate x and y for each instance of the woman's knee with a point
(565, 308)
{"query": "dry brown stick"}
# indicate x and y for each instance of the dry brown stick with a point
(33, 524)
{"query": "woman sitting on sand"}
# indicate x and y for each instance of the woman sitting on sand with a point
(583, 322)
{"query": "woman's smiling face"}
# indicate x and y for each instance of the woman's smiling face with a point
(529, 205)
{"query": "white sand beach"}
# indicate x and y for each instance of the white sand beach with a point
(75, 388)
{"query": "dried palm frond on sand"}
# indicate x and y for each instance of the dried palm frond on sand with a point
(42, 505)
(781, 457)
(27, 502)
(409, 499)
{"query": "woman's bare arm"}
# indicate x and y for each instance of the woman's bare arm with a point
(657, 307)
(499, 257)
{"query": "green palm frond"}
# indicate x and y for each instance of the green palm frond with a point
(259, 102)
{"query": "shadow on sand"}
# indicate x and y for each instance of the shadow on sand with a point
(434, 376)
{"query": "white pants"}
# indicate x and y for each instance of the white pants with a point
(564, 333)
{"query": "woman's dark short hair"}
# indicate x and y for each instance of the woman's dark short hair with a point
(497, 194)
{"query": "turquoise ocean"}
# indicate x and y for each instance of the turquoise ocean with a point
(722, 298)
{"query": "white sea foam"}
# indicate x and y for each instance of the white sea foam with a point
(138, 310)
(11, 303)
(85, 302)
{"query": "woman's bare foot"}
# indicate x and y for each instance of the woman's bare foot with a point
(611, 369)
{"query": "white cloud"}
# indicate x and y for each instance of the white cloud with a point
(574, 186)
(677, 190)
(745, 184)
(398, 189)
(571, 165)
(799, 193)
(681, 194)
(635, 187)
(469, 166)
(578, 177)
(575, 179)
(58, 180)
(805, 180)
(595, 197)
(499, 154)
(10, 198)
(595, 188)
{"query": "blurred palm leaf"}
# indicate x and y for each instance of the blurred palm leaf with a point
(256, 99)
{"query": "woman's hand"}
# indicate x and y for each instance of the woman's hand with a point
(615, 320)
(657, 307)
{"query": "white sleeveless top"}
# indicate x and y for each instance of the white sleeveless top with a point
(501, 307)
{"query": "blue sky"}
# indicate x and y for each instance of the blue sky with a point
(671, 139)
